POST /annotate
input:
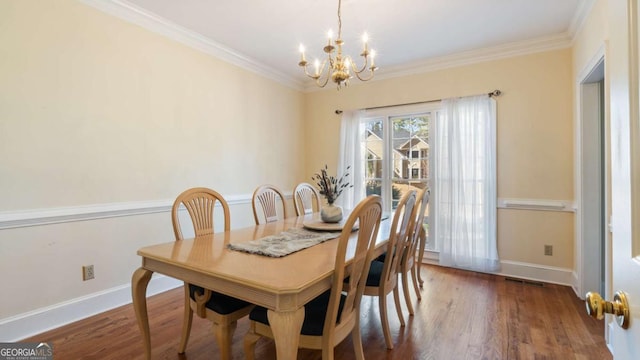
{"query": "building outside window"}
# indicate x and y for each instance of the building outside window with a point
(397, 154)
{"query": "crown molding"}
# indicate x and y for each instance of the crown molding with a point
(579, 18)
(470, 57)
(555, 42)
(133, 14)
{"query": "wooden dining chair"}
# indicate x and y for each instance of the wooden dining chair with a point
(422, 245)
(383, 275)
(335, 314)
(409, 265)
(266, 201)
(222, 310)
(306, 199)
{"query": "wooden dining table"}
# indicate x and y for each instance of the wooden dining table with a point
(282, 285)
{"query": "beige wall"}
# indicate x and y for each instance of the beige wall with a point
(95, 110)
(534, 139)
(100, 110)
(591, 37)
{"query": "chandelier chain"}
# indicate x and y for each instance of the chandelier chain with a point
(339, 20)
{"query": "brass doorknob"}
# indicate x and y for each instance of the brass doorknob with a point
(619, 307)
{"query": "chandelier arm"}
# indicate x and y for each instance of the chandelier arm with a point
(324, 83)
(357, 72)
(321, 69)
(363, 78)
(312, 76)
(364, 66)
(318, 76)
(307, 72)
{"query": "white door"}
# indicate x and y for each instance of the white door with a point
(625, 173)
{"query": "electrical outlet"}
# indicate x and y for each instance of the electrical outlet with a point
(548, 250)
(87, 272)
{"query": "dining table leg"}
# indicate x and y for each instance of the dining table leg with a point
(139, 282)
(286, 326)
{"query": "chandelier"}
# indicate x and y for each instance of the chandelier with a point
(336, 66)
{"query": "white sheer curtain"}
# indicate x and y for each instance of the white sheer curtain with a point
(463, 204)
(351, 132)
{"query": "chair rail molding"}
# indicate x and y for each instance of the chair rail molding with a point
(537, 204)
(46, 216)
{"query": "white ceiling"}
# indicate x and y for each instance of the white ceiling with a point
(405, 33)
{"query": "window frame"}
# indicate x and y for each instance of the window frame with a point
(386, 115)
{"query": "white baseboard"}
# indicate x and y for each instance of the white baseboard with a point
(525, 271)
(25, 325)
(574, 279)
(536, 272)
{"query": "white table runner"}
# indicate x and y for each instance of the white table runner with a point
(284, 243)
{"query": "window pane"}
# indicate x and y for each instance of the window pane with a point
(374, 146)
(374, 187)
(400, 187)
(410, 141)
(397, 157)
(374, 169)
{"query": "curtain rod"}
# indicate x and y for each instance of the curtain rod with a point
(491, 94)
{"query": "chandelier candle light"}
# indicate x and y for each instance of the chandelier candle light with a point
(339, 66)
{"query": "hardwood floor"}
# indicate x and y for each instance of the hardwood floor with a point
(462, 315)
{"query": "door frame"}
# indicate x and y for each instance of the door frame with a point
(587, 277)
(634, 124)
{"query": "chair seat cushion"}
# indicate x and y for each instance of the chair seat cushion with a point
(315, 312)
(375, 273)
(383, 257)
(220, 303)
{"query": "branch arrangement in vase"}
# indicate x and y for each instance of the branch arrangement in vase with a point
(330, 186)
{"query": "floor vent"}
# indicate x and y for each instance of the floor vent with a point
(524, 282)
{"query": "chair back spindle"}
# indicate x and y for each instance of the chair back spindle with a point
(266, 201)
